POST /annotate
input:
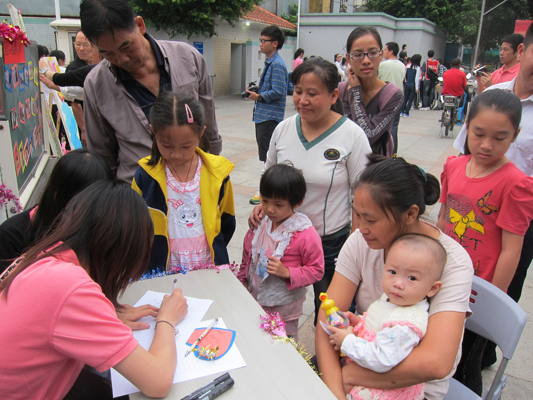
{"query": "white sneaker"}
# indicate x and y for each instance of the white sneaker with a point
(424, 109)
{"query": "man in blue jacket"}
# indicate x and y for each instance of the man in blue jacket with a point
(271, 98)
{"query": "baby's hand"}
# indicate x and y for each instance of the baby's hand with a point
(354, 319)
(338, 336)
(275, 267)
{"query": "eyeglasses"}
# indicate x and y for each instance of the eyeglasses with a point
(263, 41)
(84, 45)
(358, 56)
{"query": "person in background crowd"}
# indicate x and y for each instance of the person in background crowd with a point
(392, 70)
(429, 80)
(271, 98)
(298, 58)
(412, 84)
(338, 63)
(454, 80)
(510, 60)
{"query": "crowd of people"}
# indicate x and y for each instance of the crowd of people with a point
(334, 210)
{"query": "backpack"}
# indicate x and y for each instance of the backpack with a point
(432, 75)
(385, 144)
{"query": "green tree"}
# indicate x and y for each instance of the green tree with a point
(188, 17)
(292, 18)
(461, 17)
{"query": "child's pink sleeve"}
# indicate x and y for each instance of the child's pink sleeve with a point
(242, 275)
(517, 208)
(311, 269)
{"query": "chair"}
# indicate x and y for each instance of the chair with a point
(461, 112)
(496, 317)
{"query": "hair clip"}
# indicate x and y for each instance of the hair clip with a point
(423, 174)
(188, 111)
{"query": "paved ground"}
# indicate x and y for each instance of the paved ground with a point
(419, 143)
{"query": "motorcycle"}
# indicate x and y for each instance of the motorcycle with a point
(449, 113)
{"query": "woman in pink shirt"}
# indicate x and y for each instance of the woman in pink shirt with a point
(60, 300)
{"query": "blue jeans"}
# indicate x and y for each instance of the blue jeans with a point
(409, 96)
(429, 93)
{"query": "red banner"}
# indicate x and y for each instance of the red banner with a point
(13, 52)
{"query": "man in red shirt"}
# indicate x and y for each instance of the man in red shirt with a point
(509, 59)
(454, 80)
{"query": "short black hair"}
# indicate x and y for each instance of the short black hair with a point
(326, 71)
(404, 46)
(42, 51)
(402, 55)
(393, 46)
(274, 33)
(361, 31)
(431, 53)
(456, 62)
(101, 17)
(283, 182)
(58, 54)
(515, 40)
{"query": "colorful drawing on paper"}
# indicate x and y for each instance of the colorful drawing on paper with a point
(14, 118)
(7, 79)
(51, 62)
(26, 76)
(69, 122)
(22, 153)
(22, 85)
(30, 70)
(33, 106)
(28, 109)
(214, 345)
(15, 76)
(22, 113)
(35, 76)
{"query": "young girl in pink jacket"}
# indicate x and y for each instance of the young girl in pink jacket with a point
(284, 253)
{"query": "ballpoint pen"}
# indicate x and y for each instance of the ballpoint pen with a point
(201, 337)
(174, 286)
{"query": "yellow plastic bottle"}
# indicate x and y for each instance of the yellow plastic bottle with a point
(334, 317)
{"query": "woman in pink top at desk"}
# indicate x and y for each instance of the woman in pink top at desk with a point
(509, 59)
(60, 300)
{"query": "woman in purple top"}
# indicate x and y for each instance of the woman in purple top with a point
(368, 101)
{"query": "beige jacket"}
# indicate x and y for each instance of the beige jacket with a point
(117, 128)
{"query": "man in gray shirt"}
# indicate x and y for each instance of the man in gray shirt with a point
(392, 70)
(120, 91)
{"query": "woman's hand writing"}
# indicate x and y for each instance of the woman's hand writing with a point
(129, 315)
(338, 336)
(173, 308)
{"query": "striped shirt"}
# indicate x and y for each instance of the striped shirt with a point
(273, 90)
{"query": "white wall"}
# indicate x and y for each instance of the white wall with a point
(326, 34)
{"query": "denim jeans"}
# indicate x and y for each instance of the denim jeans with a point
(409, 96)
(332, 248)
(429, 92)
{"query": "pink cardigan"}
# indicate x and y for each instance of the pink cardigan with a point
(304, 257)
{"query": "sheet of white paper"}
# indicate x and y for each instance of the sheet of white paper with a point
(196, 311)
(188, 367)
